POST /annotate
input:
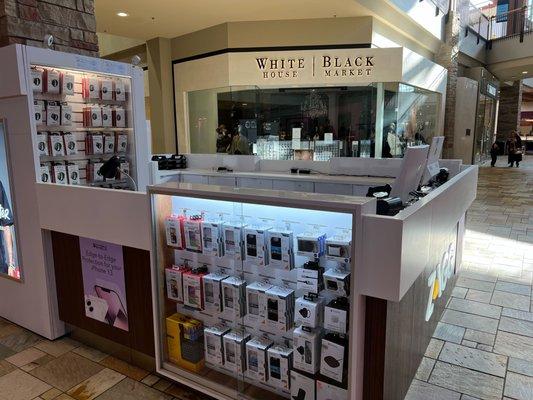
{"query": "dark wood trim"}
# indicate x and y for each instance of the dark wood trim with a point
(374, 355)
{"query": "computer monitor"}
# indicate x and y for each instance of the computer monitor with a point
(411, 171)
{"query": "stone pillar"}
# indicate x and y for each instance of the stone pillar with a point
(71, 22)
(447, 56)
(161, 95)
(509, 109)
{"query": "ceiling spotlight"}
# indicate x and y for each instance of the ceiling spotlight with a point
(524, 72)
(122, 14)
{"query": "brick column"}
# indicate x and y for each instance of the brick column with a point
(509, 109)
(447, 56)
(70, 22)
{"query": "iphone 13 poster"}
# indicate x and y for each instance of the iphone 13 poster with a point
(103, 282)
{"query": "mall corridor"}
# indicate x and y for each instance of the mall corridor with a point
(483, 346)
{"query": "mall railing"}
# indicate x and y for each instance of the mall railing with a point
(478, 22)
(514, 23)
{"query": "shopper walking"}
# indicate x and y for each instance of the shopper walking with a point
(514, 149)
(494, 150)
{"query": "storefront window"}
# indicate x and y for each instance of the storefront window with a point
(311, 123)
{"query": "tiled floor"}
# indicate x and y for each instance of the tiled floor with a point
(483, 346)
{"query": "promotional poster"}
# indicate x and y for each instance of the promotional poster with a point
(103, 282)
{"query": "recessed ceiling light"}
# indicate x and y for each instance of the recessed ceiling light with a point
(524, 72)
(122, 14)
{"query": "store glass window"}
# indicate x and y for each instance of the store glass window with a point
(318, 123)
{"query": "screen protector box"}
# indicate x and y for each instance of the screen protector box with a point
(104, 286)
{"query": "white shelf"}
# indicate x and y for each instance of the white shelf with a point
(80, 157)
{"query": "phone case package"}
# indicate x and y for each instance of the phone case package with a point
(256, 358)
(106, 90)
(192, 232)
(303, 387)
(42, 144)
(336, 315)
(119, 117)
(280, 250)
(279, 309)
(93, 172)
(94, 144)
(174, 231)
(174, 282)
(91, 88)
(51, 81)
(185, 339)
(66, 114)
(193, 289)
(53, 113)
(279, 366)
(212, 238)
(337, 282)
(306, 346)
(256, 302)
(255, 245)
(232, 240)
(311, 245)
(309, 312)
(56, 145)
(124, 169)
(71, 147)
(44, 174)
(107, 117)
(327, 391)
(73, 173)
(60, 174)
(37, 80)
(235, 350)
(214, 344)
(233, 292)
(213, 292)
(39, 112)
(67, 84)
(121, 143)
(310, 277)
(338, 249)
(93, 117)
(119, 91)
(333, 353)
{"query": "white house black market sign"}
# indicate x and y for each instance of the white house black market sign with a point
(324, 66)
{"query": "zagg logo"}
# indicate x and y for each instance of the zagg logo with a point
(439, 278)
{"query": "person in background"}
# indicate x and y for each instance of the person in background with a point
(514, 153)
(494, 150)
(223, 139)
(7, 253)
(239, 144)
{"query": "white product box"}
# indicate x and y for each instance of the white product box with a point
(106, 89)
(233, 292)
(39, 112)
(42, 144)
(44, 174)
(60, 174)
(213, 292)
(306, 346)
(121, 143)
(107, 117)
(337, 282)
(124, 169)
(53, 113)
(214, 344)
(37, 80)
(57, 147)
(119, 117)
(66, 114)
(174, 231)
(309, 313)
(119, 90)
(338, 249)
(256, 358)
(279, 308)
(73, 172)
(232, 240)
(109, 144)
(327, 391)
(309, 280)
(302, 387)
(71, 146)
(235, 350)
(256, 301)
(91, 88)
(192, 290)
(95, 114)
(67, 84)
(95, 175)
(192, 232)
(174, 282)
(255, 246)
(280, 249)
(332, 360)
(212, 238)
(279, 365)
(311, 245)
(335, 319)
(97, 144)
(52, 81)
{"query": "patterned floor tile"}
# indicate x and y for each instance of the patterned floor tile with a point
(5, 367)
(90, 353)
(513, 288)
(50, 394)
(470, 321)
(129, 389)
(475, 307)
(425, 368)
(517, 326)
(124, 368)
(475, 359)
(519, 387)
(19, 341)
(478, 295)
(37, 363)
(449, 333)
(517, 314)
(513, 345)
(475, 284)
(57, 347)
(511, 300)
(520, 366)
(96, 385)
(19, 385)
(480, 337)
(25, 357)
(150, 380)
(434, 348)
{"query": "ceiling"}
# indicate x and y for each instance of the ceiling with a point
(171, 18)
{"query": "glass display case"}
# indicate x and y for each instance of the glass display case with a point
(253, 291)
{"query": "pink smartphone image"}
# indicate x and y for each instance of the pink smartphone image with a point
(116, 314)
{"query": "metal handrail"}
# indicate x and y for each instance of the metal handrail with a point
(510, 24)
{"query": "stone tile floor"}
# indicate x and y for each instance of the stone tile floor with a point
(482, 348)
(483, 345)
